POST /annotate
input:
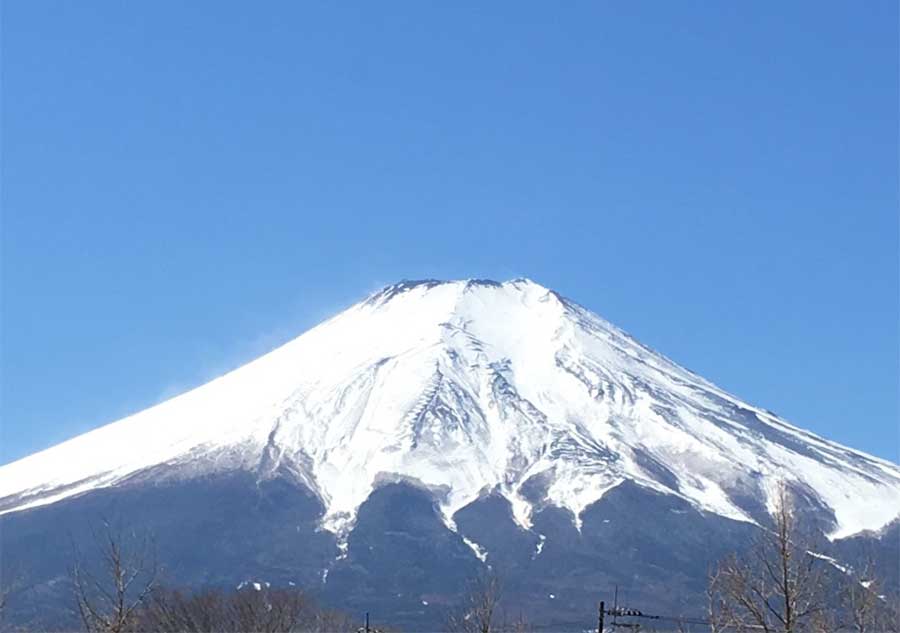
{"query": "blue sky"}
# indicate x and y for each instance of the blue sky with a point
(187, 185)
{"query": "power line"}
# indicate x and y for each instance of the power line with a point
(617, 612)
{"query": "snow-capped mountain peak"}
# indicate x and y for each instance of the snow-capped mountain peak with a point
(463, 388)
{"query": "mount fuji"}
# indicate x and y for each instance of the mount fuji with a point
(437, 427)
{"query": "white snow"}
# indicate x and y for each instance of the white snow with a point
(479, 551)
(467, 387)
(539, 547)
(830, 560)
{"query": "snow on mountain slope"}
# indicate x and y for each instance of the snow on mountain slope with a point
(465, 387)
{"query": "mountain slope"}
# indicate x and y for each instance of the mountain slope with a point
(464, 389)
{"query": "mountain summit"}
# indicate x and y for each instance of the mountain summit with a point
(467, 389)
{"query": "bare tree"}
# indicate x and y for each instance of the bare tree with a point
(860, 599)
(261, 610)
(824, 621)
(112, 585)
(479, 612)
(518, 624)
(718, 608)
(777, 586)
(867, 605)
(171, 611)
(889, 617)
(329, 621)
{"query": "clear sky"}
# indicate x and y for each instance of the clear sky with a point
(186, 185)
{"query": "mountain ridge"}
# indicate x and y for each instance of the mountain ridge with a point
(466, 388)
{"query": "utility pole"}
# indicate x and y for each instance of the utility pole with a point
(600, 618)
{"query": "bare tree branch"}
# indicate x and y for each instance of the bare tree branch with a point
(479, 608)
(777, 586)
(108, 599)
